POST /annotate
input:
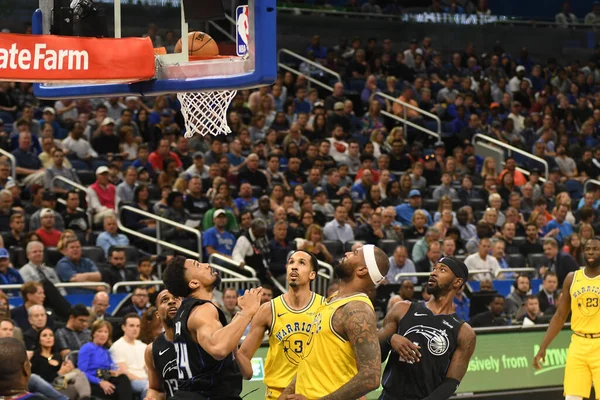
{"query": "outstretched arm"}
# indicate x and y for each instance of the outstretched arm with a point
(458, 364)
(155, 390)
(218, 340)
(260, 324)
(357, 322)
(557, 322)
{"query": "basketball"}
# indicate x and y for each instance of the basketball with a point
(200, 44)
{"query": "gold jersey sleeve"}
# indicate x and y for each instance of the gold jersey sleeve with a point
(329, 361)
(585, 303)
(288, 336)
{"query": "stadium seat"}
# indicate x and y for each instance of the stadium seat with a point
(82, 236)
(536, 260)
(456, 204)
(430, 205)
(348, 244)
(94, 253)
(574, 188)
(388, 246)
(52, 256)
(86, 177)
(519, 240)
(335, 247)
(18, 258)
(410, 243)
(515, 260)
(476, 204)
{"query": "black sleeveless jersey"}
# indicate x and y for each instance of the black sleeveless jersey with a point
(437, 335)
(198, 371)
(165, 363)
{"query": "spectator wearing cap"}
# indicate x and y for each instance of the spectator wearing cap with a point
(77, 149)
(49, 117)
(49, 202)
(198, 168)
(405, 211)
(8, 275)
(338, 228)
(58, 168)
(75, 268)
(360, 189)
(110, 237)
(217, 239)
(162, 152)
(101, 195)
(219, 203)
(445, 189)
(338, 117)
(515, 82)
(29, 167)
(47, 233)
(106, 144)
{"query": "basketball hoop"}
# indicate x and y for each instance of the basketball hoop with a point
(206, 112)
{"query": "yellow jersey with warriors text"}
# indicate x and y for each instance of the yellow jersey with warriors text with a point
(330, 362)
(585, 303)
(288, 336)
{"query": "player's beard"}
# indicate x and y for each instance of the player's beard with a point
(594, 264)
(437, 290)
(169, 322)
(342, 271)
(217, 281)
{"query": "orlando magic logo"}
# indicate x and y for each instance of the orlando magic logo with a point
(437, 339)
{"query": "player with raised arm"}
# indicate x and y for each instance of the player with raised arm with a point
(161, 360)
(581, 296)
(431, 346)
(203, 340)
(287, 319)
(343, 360)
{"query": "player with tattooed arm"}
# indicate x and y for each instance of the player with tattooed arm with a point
(342, 359)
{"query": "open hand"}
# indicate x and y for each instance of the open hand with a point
(250, 301)
(405, 348)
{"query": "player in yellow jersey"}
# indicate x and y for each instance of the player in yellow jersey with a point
(581, 296)
(344, 358)
(287, 319)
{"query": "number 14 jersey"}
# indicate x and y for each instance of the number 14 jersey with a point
(289, 343)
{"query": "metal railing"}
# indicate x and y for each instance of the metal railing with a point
(509, 270)
(79, 186)
(214, 259)
(13, 161)
(157, 240)
(65, 285)
(236, 283)
(590, 181)
(405, 120)
(511, 148)
(228, 35)
(310, 62)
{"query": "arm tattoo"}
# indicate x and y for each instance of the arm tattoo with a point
(356, 321)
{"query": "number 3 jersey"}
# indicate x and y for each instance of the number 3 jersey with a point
(288, 336)
(585, 297)
(437, 336)
(199, 372)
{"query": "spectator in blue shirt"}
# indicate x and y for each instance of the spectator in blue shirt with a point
(49, 117)
(462, 304)
(320, 52)
(235, 157)
(302, 105)
(9, 275)
(23, 126)
(405, 211)
(94, 358)
(74, 268)
(110, 237)
(399, 263)
(361, 188)
(217, 239)
(460, 122)
(246, 200)
(562, 229)
(28, 163)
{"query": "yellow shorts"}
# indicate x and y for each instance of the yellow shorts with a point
(583, 367)
(273, 393)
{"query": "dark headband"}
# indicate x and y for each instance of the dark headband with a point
(458, 267)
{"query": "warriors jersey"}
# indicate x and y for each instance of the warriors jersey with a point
(329, 360)
(288, 334)
(165, 363)
(585, 298)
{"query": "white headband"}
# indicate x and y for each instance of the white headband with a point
(369, 254)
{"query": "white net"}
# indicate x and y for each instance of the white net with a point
(206, 112)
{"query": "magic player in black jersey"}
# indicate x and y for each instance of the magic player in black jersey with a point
(203, 341)
(160, 354)
(431, 346)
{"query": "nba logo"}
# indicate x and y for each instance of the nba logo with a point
(243, 30)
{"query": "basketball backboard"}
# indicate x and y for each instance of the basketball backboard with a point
(176, 72)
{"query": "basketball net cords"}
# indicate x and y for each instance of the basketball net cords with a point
(206, 112)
